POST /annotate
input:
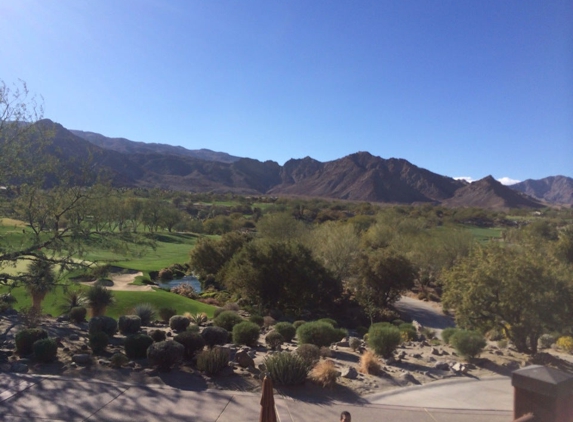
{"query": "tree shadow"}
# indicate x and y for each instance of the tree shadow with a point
(312, 393)
(345, 356)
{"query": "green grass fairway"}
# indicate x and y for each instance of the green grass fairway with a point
(485, 234)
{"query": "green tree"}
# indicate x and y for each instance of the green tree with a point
(518, 289)
(39, 281)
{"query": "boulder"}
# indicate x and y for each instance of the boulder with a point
(459, 368)
(442, 366)
(244, 360)
(349, 372)
(81, 358)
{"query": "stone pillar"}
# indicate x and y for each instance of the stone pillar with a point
(543, 391)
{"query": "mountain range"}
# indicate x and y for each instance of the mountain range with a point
(359, 177)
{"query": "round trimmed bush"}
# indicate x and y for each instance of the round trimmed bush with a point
(257, 319)
(165, 314)
(118, 360)
(129, 324)
(217, 312)
(165, 354)
(247, 333)
(145, 311)
(26, 338)
(286, 368)
(565, 343)
(309, 353)
(354, 343)
(227, 320)
(179, 322)
(103, 323)
(98, 342)
(546, 341)
(384, 340)
(408, 331)
(136, 345)
(286, 329)
(213, 361)
(330, 321)
(298, 323)
(157, 335)
(215, 336)
(192, 342)
(45, 350)
(78, 314)
(319, 333)
(274, 339)
(467, 343)
(447, 334)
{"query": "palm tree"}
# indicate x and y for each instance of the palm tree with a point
(39, 281)
(99, 298)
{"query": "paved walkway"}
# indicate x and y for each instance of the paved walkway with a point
(34, 398)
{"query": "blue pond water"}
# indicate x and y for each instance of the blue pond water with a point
(189, 279)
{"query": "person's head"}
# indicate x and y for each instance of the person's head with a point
(345, 417)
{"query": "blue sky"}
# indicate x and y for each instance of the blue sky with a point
(460, 87)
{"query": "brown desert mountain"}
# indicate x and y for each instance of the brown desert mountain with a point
(554, 189)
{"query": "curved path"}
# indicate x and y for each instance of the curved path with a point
(429, 314)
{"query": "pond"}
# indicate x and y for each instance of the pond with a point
(189, 279)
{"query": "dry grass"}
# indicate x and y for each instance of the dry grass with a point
(324, 373)
(369, 363)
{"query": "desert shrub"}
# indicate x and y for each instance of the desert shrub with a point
(257, 319)
(118, 360)
(246, 333)
(103, 323)
(26, 338)
(215, 336)
(298, 323)
(78, 314)
(381, 324)
(468, 343)
(165, 354)
(384, 340)
(45, 350)
(324, 374)
(286, 329)
(186, 290)
(192, 342)
(73, 299)
(98, 341)
(309, 353)
(495, 334)
(157, 335)
(268, 321)
(193, 328)
(428, 333)
(369, 363)
(145, 311)
(179, 323)
(231, 306)
(213, 361)
(407, 331)
(165, 274)
(329, 321)
(198, 319)
(325, 352)
(286, 368)
(227, 320)
(99, 298)
(447, 334)
(136, 345)
(319, 333)
(129, 324)
(274, 339)
(217, 312)
(398, 322)
(354, 343)
(546, 341)
(31, 317)
(165, 314)
(565, 343)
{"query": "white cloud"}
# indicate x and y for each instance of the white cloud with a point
(508, 181)
(468, 179)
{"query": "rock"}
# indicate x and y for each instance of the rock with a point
(10, 346)
(417, 326)
(103, 362)
(5, 367)
(402, 355)
(74, 337)
(498, 352)
(66, 349)
(81, 358)
(459, 368)
(84, 347)
(262, 367)
(444, 352)
(409, 378)
(442, 366)
(435, 352)
(349, 373)
(343, 343)
(20, 368)
(244, 360)
(416, 355)
(390, 360)
(430, 359)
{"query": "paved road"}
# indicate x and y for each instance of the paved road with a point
(427, 314)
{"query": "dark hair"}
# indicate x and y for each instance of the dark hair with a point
(344, 414)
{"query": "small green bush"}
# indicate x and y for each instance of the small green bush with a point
(193, 328)
(78, 314)
(215, 336)
(298, 323)
(286, 329)
(319, 333)
(546, 341)
(118, 360)
(227, 320)
(217, 312)
(408, 331)
(165, 314)
(447, 334)
(213, 361)
(165, 354)
(103, 323)
(26, 338)
(157, 335)
(136, 345)
(145, 311)
(45, 350)
(192, 342)
(129, 324)
(309, 353)
(179, 323)
(428, 333)
(98, 342)
(467, 343)
(286, 368)
(274, 339)
(257, 319)
(329, 321)
(247, 333)
(384, 340)
(354, 343)
(398, 322)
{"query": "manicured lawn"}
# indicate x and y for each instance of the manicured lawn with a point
(485, 234)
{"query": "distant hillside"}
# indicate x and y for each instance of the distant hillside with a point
(554, 189)
(131, 147)
(489, 193)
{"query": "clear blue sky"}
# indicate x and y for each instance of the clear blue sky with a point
(460, 87)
